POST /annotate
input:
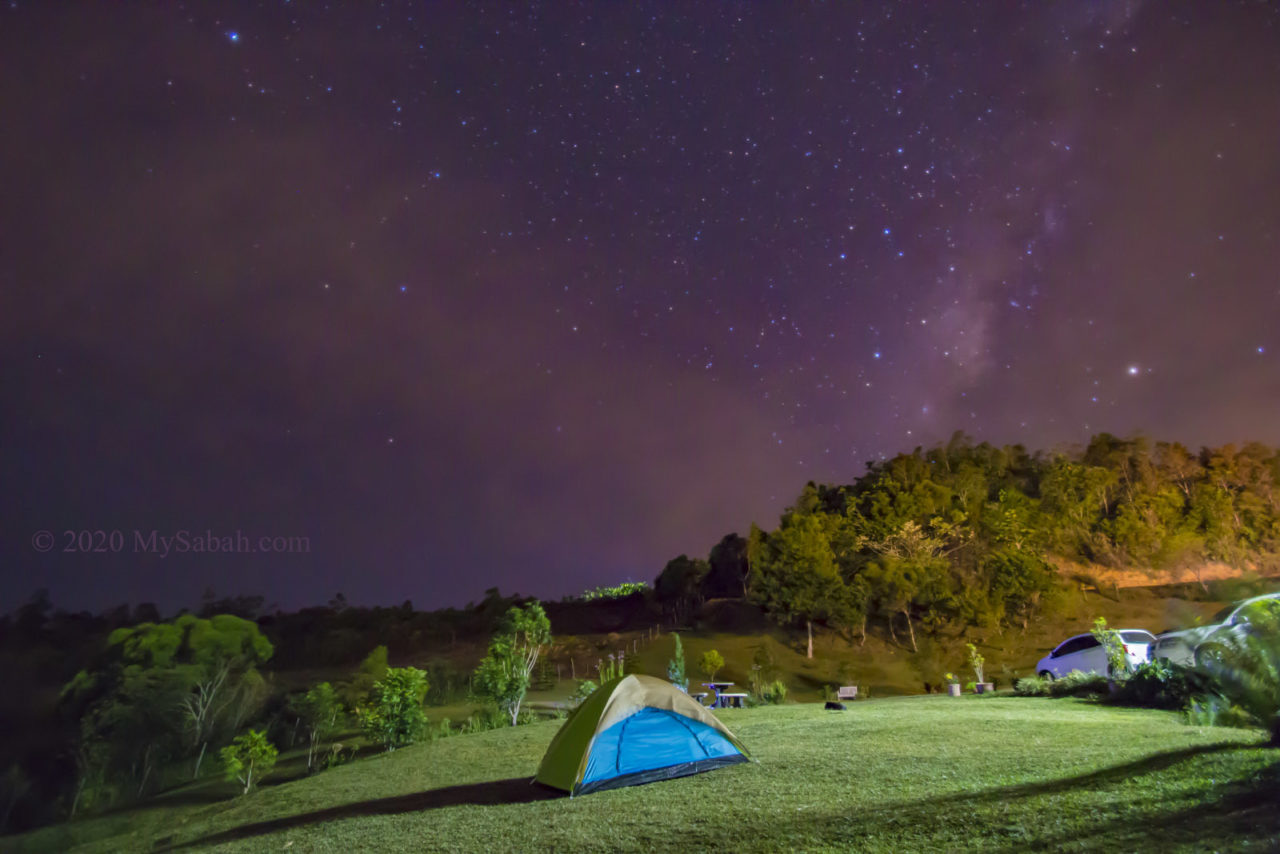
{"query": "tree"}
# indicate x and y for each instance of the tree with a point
(220, 652)
(504, 673)
(675, 667)
(164, 685)
(679, 587)
(1015, 583)
(319, 710)
(248, 759)
(727, 568)
(710, 663)
(794, 575)
(394, 716)
(356, 690)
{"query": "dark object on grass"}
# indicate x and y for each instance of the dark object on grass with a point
(834, 706)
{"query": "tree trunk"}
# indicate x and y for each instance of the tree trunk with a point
(75, 802)
(199, 759)
(146, 768)
(911, 629)
(864, 631)
(892, 634)
(809, 626)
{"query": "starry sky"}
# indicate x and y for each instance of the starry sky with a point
(541, 296)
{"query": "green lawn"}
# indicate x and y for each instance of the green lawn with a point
(924, 773)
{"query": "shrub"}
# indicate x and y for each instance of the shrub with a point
(1078, 684)
(484, 719)
(1212, 710)
(1032, 686)
(710, 663)
(977, 662)
(338, 754)
(585, 689)
(1248, 679)
(394, 716)
(1160, 684)
(248, 759)
(776, 693)
(675, 667)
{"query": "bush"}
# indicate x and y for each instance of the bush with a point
(1212, 710)
(1160, 684)
(1078, 684)
(675, 667)
(394, 715)
(586, 687)
(484, 719)
(1248, 680)
(776, 693)
(1032, 686)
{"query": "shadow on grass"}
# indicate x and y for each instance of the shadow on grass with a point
(1238, 809)
(517, 790)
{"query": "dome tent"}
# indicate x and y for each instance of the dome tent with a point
(633, 730)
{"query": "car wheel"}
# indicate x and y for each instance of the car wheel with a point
(1045, 674)
(1210, 655)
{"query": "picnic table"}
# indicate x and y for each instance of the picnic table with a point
(721, 698)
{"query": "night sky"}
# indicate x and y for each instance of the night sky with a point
(540, 298)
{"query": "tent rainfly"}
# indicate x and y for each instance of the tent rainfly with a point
(632, 730)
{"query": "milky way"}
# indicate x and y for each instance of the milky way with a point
(540, 297)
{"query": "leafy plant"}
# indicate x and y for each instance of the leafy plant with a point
(504, 673)
(610, 667)
(1032, 686)
(1160, 684)
(1248, 679)
(976, 661)
(320, 712)
(1113, 644)
(675, 667)
(484, 719)
(394, 716)
(776, 693)
(585, 689)
(248, 759)
(1078, 684)
(710, 663)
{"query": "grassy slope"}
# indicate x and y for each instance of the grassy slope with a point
(900, 774)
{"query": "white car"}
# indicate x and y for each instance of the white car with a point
(1199, 645)
(1084, 653)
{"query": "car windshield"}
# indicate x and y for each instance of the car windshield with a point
(1222, 615)
(1137, 637)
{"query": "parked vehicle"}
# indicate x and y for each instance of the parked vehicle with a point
(1202, 644)
(1084, 653)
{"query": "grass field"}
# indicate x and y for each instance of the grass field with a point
(924, 773)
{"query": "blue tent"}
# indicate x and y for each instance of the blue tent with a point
(636, 729)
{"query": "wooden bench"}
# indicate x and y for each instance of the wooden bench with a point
(701, 697)
(847, 692)
(735, 700)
